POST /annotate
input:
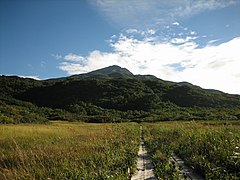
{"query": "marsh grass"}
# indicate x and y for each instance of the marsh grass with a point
(211, 148)
(68, 151)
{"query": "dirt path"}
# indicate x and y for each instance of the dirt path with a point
(144, 165)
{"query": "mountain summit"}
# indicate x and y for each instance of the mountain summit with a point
(106, 73)
(111, 70)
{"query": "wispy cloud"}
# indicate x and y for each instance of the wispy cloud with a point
(74, 58)
(42, 64)
(182, 40)
(213, 41)
(140, 13)
(182, 59)
(56, 56)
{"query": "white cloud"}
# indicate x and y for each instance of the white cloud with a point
(142, 13)
(151, 31)
(213, 41)
(32, 77)
(182, 40)
(56, 56)
(74, 57)
(132, 31)
(212, 66)
(73, 68)
(215, 67)
(142, 33)
(176, 24)
(193, 33)
(95, 60)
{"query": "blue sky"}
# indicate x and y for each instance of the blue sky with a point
(178, 40)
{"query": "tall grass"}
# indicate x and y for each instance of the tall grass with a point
(68, 151)
(211, 148)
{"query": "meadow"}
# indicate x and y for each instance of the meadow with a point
(62, 150)
(211, 148)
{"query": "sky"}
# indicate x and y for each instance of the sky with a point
(197, 41)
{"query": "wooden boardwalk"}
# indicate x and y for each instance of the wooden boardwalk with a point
(186, 171)
(144, 164)
(145, 167)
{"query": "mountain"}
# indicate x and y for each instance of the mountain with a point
(115, 93)
(106, 73)
(111, 72)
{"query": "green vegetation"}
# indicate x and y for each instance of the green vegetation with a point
(211, 148)
(16, 111)
(63, 150)
(13, 111)
(111, 94)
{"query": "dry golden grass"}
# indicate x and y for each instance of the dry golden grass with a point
(67, 150)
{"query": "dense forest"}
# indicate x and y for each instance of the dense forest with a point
(111, 94)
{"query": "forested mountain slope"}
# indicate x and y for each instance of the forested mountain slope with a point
(115, 91)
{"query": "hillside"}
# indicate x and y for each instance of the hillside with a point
(115, 93)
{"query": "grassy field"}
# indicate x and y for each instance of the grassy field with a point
(62, 150)
(211, 148)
